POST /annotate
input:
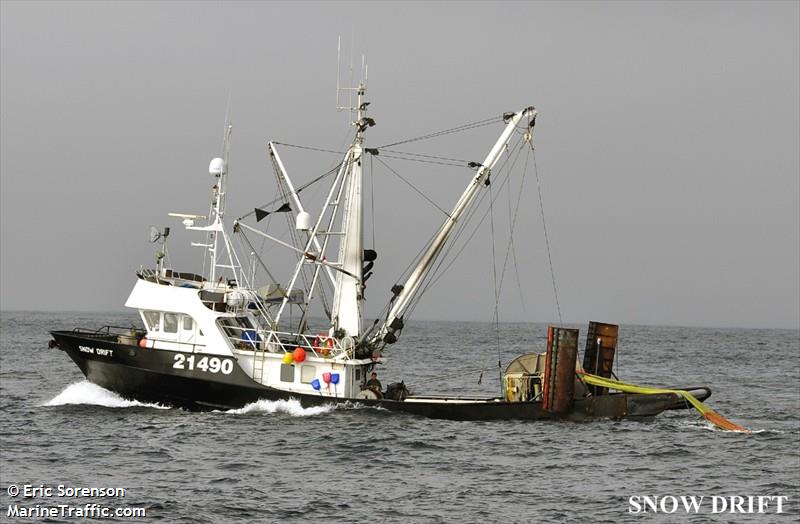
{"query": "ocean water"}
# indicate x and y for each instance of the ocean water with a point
(278, 462)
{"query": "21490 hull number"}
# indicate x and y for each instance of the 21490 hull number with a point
(207, 364)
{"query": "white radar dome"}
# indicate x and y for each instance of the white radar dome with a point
(303, 222)
(216, 167)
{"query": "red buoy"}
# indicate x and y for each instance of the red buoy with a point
(299, 354)
(143, 343)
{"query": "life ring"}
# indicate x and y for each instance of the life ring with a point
(323, 344)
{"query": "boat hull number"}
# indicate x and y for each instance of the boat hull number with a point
(206, 364)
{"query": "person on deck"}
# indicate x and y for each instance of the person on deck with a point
(374, 384)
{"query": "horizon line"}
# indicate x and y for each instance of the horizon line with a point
(472, 321)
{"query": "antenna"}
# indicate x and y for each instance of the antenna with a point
(156, 234)
(358, 90)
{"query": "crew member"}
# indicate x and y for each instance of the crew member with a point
(374, 384)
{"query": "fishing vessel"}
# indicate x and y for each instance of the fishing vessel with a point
(235, 334)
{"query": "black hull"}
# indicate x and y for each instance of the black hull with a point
(148, 375)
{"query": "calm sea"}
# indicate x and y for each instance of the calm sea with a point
(277, 462)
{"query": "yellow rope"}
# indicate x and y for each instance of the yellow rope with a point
(708, 413)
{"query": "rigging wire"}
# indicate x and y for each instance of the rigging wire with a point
(512, 220)
(372, 197)
(438, 273)
(546, 237)
(407, 153)
(457, 129)
(496, 291)
(310, 148)
(423, 195)
(334, 169)
(425, 161)
(429, 279)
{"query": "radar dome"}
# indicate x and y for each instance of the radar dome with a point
(216, 167)
(303, 221)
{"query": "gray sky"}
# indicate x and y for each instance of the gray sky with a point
(667, 144)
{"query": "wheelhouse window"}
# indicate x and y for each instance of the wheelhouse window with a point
(152, 319)
(188, 323)
(170, 323)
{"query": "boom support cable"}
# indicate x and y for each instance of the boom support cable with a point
(496, 291)
(457, 129)
(546, 237)
(412, 186)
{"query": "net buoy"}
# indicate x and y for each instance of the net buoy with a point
(323, 344)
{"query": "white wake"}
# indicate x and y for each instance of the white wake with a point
(290, 407)
(85, 392)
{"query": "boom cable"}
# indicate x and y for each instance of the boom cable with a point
(423, 195)
(457, 129)
(546, 237)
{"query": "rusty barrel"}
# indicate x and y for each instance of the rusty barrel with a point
(559, 373)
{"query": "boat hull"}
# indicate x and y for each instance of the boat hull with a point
(150, 376)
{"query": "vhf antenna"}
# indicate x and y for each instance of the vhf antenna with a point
(359, 90)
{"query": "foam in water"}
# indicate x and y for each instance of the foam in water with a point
(85, 392)
(290, 407)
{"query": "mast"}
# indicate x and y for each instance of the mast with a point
(405, 293)
(218, 203)
(348, 290)
(218, 168)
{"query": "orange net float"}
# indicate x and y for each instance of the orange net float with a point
(323, 344)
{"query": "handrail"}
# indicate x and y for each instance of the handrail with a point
(284, 339)
(106, 330)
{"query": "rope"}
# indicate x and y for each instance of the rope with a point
(452, 375)
(258, 258)
(496, 291)
(394, 151)
(436, 275)
(464, 127)
(334, 169)
(513, 224)
(309, 148)
(546, 237)
(372, 198)
(513, 245)
(709, 414)
(425, 161)
(423, 195)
